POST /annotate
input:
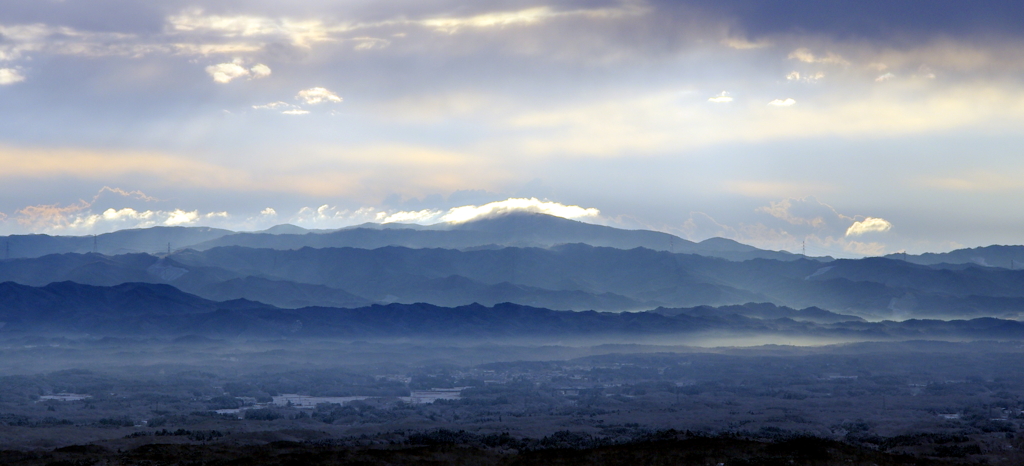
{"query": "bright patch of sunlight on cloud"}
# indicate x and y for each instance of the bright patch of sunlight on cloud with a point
(226, 72)
(260, 71)
(317, 95)
(469, 213)
(181, 217)
(782, 103)
(869, 225)
(740, 43)
(327, 216)
(805, 55)
(806, 78)
(10, 76)
(273, 106)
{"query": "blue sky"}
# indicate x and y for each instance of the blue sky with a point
(859, 128)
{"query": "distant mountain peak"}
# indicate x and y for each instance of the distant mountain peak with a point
(285, 229)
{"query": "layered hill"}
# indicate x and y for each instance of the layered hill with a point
(510, 230)
(571, 277)
(514, 229)
(163, 311)
(142, 240)
(1009, 257)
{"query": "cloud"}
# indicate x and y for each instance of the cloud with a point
(273, 106)
(1004, 180)
(260, 70)
(805, 55)
(44, 163)
(317, 95)
(268, 212)
(803, 211)
(181, 217)
(468, 213)
(123, 193)
(869, 225)
(10, 76)
(79, 218)
(793, 224)
(369, 43)
(740, 43)
(226, 72)
(302, 33)
(327, 216)
(528, 16)
(884, 77)
(721, 98)
(807, 78)
(421, 216)
(284, 107)
(782, 103)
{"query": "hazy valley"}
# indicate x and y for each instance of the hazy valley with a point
(508, 338)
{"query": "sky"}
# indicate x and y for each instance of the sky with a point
(848, 128)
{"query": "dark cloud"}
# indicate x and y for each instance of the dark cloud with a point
(888, 19)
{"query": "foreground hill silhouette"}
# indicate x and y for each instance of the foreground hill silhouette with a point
(445, 447)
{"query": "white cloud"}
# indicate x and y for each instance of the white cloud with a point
(302, 33)
(273, 106)
(317, 95)
(327, 216)
(782, 103)
(268, 212)
(422, 216)
(468, 213)
(721, 98)
(78, 218)
(805, 55)
(181, 217)
(127, 214)
(807, 78)
(498, 19)
(869, 225)
(260, 71)
(286, 108)
(884, 77)
(10, 76)
(226, 72)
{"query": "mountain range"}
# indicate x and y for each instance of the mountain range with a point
(152, 310)
(515, 229)
(280, 268)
